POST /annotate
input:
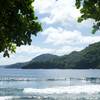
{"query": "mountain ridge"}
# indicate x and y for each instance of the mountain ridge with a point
(88, 58)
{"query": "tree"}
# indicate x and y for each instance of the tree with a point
(90, 9)
(17, 23)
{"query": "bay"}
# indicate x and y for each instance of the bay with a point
(49, 84)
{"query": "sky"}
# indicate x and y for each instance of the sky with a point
(61, 33)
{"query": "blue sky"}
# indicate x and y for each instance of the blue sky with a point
(61, 32)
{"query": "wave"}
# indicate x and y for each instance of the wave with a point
(23, 97)
(6, 98)
(61, 90)
(46, 79)
(33, 79)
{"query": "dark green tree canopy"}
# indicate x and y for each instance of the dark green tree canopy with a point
(90, 9)
(17, 23)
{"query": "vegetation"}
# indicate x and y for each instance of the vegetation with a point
(90, 9)
(85, 59)
(17, 23)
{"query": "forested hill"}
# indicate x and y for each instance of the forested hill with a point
(85, 59)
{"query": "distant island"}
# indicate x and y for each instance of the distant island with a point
(88, 58)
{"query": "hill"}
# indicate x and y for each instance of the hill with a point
(44, 58)
(41, 58)
(88, 58)
(17, 65)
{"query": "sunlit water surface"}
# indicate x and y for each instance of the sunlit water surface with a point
(20, 84)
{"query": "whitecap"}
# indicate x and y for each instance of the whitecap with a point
(6, 98)
(90, 89)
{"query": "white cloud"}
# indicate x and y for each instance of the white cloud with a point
(61, 36)
(59, 11)
(24, 53)
(66, 50)
(14, 59)
(33, 49)
(60, 40)
(43, 6)
(65, 42)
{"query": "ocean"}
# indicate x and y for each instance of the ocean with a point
(49, 84)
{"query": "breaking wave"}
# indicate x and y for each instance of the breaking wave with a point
(6, 98)
(61, 90)
(9, 78)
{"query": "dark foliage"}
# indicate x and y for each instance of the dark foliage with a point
(90, 9)
(17, 23)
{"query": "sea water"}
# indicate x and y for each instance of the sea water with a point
(51, 84)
